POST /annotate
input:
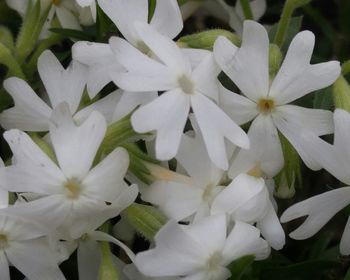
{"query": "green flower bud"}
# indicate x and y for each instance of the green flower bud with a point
(145, 219)
(206, 39)
(275, 59)
(341, 94)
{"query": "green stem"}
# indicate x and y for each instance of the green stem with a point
(247, 11)
(107, 267)
(44, 45)
(6, 58)
(289, 7)
(345, 68)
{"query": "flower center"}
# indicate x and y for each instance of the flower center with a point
(256, 171)
(73, 189)
(56, 2)
(186, 84)
(208, 194)
(214, 261)
(3, 241)
(266, 106)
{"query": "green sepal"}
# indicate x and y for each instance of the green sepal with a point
(6, 38)
(341, 94)
(275, 60)
(145, 219)
(7, 59)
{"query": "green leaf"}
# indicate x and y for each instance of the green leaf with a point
(72, 33)
(240, 266)
(151, 8)
(324, 99)
(103, 24)
(292, 29)
(311, 268)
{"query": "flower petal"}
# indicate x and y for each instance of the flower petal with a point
(130, 100)
(124, 13)
(34, 259)
(176, 253)
(104, 181)
(167, 18)
(62, 85)
(248, 67)
(30, 112)
(252, 245)
(177, 201)
(164, 48)
(272, 230)
(237, 107)
(67, 19)
(89, 259)
(75, 147)
(265, 150)
(319, 209)
(4, 267)
(215, 126)
(167, 115)
(296, 76)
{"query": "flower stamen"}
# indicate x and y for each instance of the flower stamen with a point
(266, 106)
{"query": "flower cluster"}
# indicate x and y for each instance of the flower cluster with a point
(184, 144)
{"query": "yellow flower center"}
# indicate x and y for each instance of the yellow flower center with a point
(256, 171)
(266, 106)
(73, 189)
(214, 261)
(186, 84)
(3, 241)
(56, 2)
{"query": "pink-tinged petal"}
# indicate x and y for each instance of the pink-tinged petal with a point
(215, 126)
(167, 115)
(30, 112)
(319, 209)
(167, 18)
(296, 76)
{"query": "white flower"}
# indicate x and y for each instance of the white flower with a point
(22, 245)
(31, 113)
(124, 13)
(321, 208)
(70, 13)
(265, 102)
(184, 88)
(201, 250)
(73, 195)
(220, 9)
(181, 197)
(247, 199)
